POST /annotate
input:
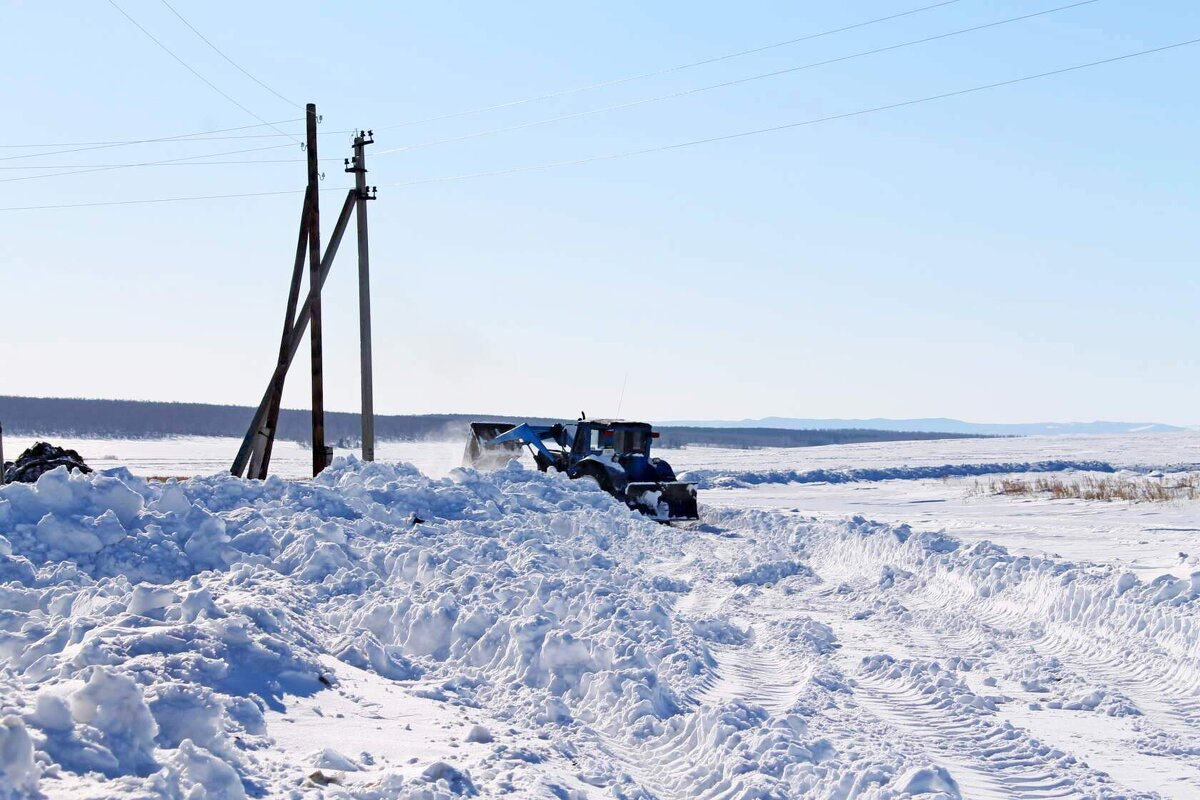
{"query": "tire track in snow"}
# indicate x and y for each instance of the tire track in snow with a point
(757, 675)
(987, 759)
(1165, 690)
(1167, 698)
(1154, 669)
(988, 642)
(687, 761)
(992, 757)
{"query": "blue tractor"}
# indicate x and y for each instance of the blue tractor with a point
(614, 453)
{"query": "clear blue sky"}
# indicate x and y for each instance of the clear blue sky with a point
(1026, 253)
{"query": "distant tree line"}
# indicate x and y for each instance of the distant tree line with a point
(139, 419)
(784, 437)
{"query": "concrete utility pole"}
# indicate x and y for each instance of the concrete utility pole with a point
(359, 167)
(320, 456)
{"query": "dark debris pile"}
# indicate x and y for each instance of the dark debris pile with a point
(41, 457)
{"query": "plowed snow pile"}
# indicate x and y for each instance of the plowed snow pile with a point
(376, 633)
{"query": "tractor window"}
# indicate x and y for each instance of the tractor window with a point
(631, 440)
(602, 439)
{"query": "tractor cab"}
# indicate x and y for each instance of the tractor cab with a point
(614, 437)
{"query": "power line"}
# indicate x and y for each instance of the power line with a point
(227, 58)
(803, 123)
(154, 200)
(182, 139)
(735, 82)
(663, 148)
(107, 167)
(183, 199)
(105, 145)
(677, 68)
(192, 70)
(668, 70)
(173, 164)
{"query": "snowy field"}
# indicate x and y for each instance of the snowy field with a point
(854, 621)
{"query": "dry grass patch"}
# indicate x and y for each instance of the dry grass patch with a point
(1140, 489)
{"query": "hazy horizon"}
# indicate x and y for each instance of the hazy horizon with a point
(674, 421)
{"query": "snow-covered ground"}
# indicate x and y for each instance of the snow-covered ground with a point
(842, 623)
(206, 455)
(188, 456)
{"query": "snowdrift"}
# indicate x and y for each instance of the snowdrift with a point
(740, 479)
(151, 634)
(148, 628)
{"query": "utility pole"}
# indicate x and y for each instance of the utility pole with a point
(255, 449)
(260, 459)
(2, 455)
(320, 456)
(295, 339)
(359, 167)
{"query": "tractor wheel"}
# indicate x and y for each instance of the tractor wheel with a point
(597, 473)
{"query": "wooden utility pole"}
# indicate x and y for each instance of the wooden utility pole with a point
(297, 336)
(320, 460)
(359, 167)
(260, 459)
(255, 450)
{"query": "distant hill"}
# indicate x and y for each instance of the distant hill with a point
(941, 425)
(136, 419)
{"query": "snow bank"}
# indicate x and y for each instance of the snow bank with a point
(149, 631)
(152, 626)
(740, 479)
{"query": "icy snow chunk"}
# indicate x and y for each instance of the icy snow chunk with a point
(719, 631)
(479, 734)
(325, 559)
(929, 780)
(51, 714)
(171, 501)
(1125, 582)
(771, 572)
(203, 776)
(888, 575)
(665, 584)
(329, 758)
(79, 536)
(113, 705)
(199, 602)
(18, 772)
(65, 493)
(150, 598)
(366, 652)
(430, 628)
(456, 780)
(185, 712)
(207, 541)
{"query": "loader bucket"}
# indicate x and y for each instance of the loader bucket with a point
(482, 453)
(672, 501)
